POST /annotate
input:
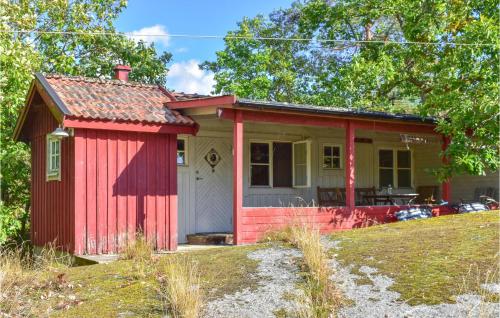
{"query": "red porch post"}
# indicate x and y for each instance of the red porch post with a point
(237, 174)
(445, 186)
(349, 165)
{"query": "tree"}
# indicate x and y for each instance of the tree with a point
(87, 54)
(458, 84)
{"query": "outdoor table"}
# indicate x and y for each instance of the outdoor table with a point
(389, 198)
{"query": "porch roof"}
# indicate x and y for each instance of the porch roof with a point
(328, 110)
(233, 101)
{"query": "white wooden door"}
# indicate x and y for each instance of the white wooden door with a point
(213, 184)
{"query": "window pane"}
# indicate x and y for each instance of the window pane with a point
(404, 178)
(336, 151)
(300, 153)
(259, 153)
(404, 159)
(282, 164)
(385, 158)
(259, 175)
(180, 145)
(336, 163)
(327, 150)
(327, 162)
(181, 160)
(300, 175)
(385, 177)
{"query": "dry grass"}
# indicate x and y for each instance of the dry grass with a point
(140, 250)
(180, 288)
(322, 298)
(476, 279)
(24, 275)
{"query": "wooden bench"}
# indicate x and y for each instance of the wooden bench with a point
(331, 196)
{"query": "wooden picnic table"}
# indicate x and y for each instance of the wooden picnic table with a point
(389, 198)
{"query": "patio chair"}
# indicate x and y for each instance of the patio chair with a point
(360, 194)
(331, 196)
(426, 194)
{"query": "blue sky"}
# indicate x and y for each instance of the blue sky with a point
(200, 17)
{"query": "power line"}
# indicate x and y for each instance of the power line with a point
(241, 37)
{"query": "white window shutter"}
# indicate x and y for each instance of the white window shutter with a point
(301, 162)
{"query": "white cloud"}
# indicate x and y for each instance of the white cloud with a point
(187, 77)
(181, 50)
(156, 33)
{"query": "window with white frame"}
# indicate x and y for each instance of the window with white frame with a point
(280, 164)
(331, 157)
(182, 152)
(53, 158)
(394, 168)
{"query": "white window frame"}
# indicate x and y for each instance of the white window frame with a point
(53, 173)
(186, 152)
(395, 167)
(308, 164)
(341, 157)
(270, 163)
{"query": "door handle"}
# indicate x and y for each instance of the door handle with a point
(199, 178)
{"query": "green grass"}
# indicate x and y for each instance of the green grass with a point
(107, 290)
(430, 260)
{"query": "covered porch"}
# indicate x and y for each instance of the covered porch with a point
(267, 168)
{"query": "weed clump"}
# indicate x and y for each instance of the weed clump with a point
(322, 298)
(180, 288)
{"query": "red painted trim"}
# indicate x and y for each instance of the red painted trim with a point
(227, 100)
(172, 163)
(391, 126)
(349, 164)
(325, 121)
(445, 186)
(237, 175)
(127, 126)
(283, 118)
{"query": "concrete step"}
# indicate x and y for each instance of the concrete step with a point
(210, 238)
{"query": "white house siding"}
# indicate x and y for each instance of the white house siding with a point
(425, 157)
(463, 187)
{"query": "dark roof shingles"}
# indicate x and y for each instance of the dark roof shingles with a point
(115, 100)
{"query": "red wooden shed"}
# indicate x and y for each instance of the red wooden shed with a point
(114, 175)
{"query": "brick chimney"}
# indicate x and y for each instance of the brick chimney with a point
(121, 72)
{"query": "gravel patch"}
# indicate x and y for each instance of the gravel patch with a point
(378, 301)
(278, 273)
(492, 288)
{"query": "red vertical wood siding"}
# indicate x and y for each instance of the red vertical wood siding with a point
(126, 186)
(51, 201)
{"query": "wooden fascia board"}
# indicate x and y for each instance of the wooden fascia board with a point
(128, 126)
(50, 97)
(299, 118)
(228, 100)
